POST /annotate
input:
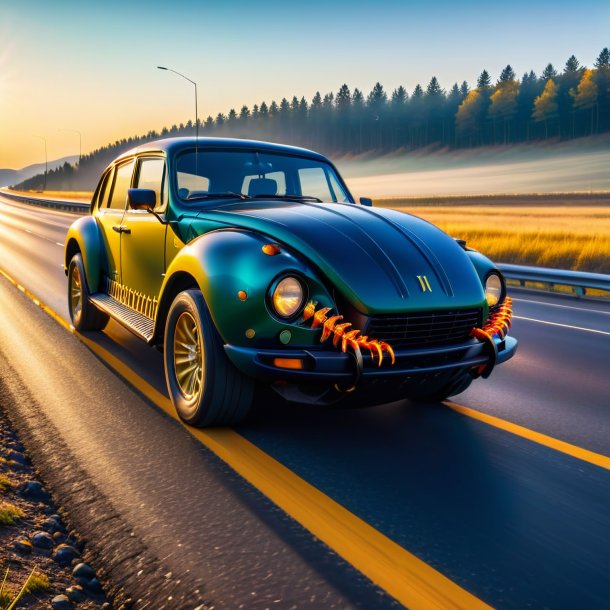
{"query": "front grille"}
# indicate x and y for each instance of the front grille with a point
(424, 329)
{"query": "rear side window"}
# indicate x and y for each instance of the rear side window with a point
(122, 181)
(152, 175)
(104, 190)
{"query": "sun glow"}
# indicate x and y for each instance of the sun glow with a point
(5, 72)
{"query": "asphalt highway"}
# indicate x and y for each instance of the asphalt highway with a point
(482, 512)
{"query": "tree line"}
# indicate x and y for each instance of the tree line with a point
(559, 104)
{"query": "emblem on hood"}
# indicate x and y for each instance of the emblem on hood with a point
(424, 283)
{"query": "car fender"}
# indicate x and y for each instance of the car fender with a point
(235, 275)
(481, 263)
(483, 266)
(84, 236)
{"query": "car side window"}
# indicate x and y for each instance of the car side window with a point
(152, 175)
(122, 181)
(320, 183)
(314, 183)
(104, 191)
(336, 188)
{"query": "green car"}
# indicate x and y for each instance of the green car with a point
(250, 263)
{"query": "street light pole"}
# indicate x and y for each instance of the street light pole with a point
(196, 114)
(46, 162)
(193, 83)
(80, 142)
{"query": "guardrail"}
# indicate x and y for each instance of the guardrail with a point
(78, 207)
(580, 281)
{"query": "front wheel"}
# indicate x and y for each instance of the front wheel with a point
(83, 313)
(203, 384)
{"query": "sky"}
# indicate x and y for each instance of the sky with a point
(90, 66)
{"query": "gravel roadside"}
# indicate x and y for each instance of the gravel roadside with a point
(37, 549)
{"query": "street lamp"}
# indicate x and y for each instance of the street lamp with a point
(46, 163)
(195, 84)
(80, 141)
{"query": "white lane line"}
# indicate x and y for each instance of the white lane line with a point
(46, 239)
(34, 218)
(589, 330)
(29, 232)
(12, 220)
(52, 241)
(606, 313)
(40, 214)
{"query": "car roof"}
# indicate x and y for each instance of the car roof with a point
(172, 145)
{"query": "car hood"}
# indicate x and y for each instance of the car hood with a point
(374, 257)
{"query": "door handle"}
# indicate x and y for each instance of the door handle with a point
(121, 229)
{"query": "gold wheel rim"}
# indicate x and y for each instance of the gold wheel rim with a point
(76, 294)
(188, 356)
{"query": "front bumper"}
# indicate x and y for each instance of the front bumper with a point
(328, 365)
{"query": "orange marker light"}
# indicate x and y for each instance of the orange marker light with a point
(242, 295)
(288, 363)
(271, 249)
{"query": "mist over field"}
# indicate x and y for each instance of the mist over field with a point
(570, 167)
(580, 166)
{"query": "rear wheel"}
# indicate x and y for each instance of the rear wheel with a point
(83, 313)
(204, 385)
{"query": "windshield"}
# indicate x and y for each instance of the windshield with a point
(250, 174)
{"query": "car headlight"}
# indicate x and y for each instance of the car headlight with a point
(494, 289)
(288, 297)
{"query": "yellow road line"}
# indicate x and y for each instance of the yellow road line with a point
(585, 455)
(405, 577)
(38, 302)
(401, 574)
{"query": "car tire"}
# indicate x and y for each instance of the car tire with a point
(83, 313)
(456, 386)
(203, 384)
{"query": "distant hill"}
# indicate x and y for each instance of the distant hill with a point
(10, 177)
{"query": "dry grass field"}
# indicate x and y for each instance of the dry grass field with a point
(564, 232)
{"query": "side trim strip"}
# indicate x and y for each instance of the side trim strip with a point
(140, 325)
(137, 301)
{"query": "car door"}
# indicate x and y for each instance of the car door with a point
(143, 239)
(110, 216)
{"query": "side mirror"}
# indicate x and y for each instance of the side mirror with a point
(141, 199)
(367, 201)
